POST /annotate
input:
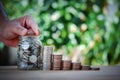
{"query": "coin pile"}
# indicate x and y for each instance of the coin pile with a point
(29, 53)
(47, 55)
(94, 68)
(56, 62)
(76, 66)
(66, 62)
(66, 65)
(86, 67)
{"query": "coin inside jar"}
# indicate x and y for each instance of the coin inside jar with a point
(22, 65)
(33, 59)
(25, 45)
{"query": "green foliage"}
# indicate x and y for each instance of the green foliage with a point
(82, 25)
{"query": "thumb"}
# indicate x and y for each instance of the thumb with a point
(19, 30)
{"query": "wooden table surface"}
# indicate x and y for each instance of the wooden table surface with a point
(105, 73)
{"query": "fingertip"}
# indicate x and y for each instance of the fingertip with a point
(35, 29)
(38, 32)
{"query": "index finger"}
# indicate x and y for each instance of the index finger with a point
(30, 23)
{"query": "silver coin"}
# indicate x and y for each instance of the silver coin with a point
(32, 58)
(25, 45)
(22, 65)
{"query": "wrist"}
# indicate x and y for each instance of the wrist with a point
(2, 26)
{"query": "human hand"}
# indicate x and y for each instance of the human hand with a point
(11, 30)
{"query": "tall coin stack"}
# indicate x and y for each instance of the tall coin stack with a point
(47, 54)
(56, 61)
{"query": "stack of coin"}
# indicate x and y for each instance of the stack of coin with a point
(56, 62)
(95, 68)
(66, 65)
(76, 66)
(47, 53)
(86, 67)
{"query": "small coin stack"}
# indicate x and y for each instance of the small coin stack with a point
(86, 67)
(94, 68)
(76, 66)
(56, 62)
(47, 53)
(66, 63)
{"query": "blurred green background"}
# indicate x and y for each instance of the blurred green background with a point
(89, 28)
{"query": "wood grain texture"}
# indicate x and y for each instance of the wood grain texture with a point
(105, 73)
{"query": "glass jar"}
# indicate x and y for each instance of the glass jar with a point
(29, 53)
